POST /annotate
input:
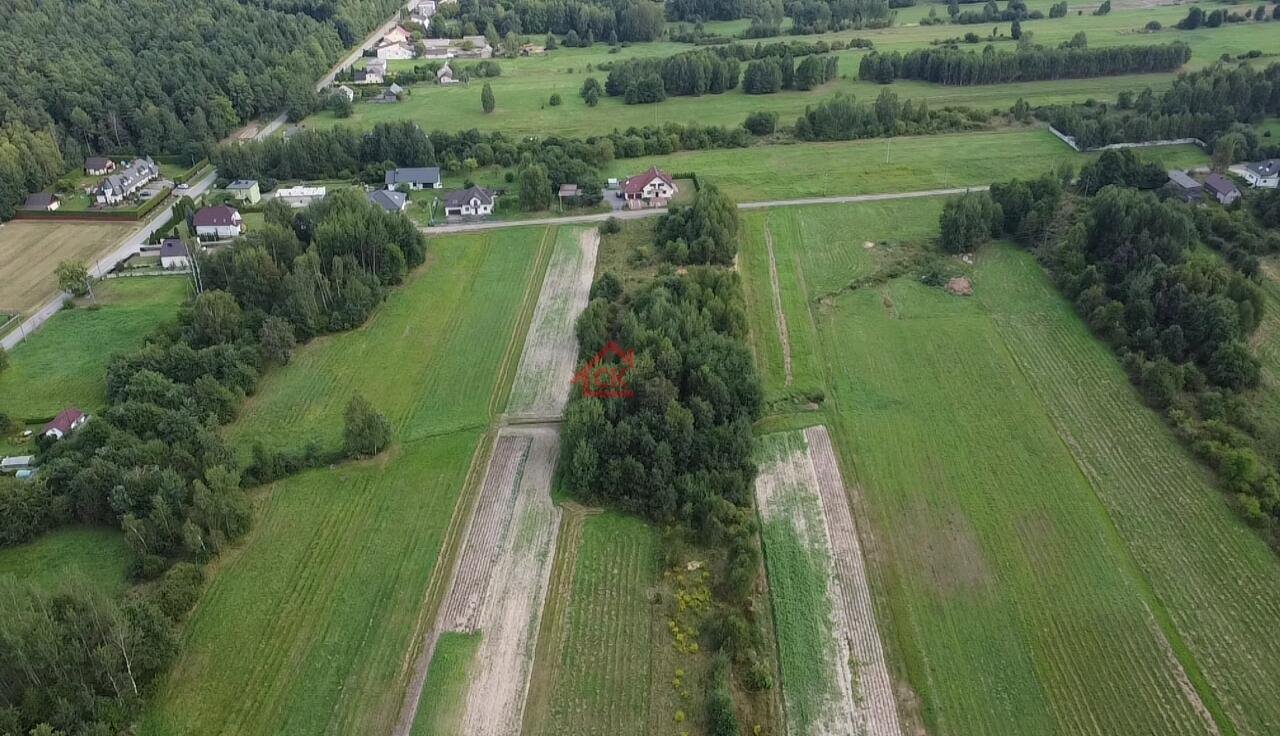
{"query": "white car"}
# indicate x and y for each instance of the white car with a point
(183, 185)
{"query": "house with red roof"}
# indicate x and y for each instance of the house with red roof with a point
(653, 188)
(67, 421)
(217, 223)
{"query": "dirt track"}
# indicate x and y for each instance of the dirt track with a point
(779, 315)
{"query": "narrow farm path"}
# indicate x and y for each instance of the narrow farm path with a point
(779, 316)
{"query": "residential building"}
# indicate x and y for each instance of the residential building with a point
(425, 177)
(473, 202)
(217, 223)
(300, 196)
(436, 48)
(444, 75)
(402, 50)
(67, 421)
(389, 200)
(1220, 188)
(1182, 186)
(346, 92)
(245, 190)
(653, 188)
(42, 202)
(174, 254)
(399, 34)
(126, 182)
(374, 72)
(99, 166)
(421, 13)
(1263, 174)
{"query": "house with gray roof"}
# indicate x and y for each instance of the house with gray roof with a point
(473, 202)
(389, 200)
(425, 177)
(126, 182)
(1220, 188)
(1182, 186)
(1262, 174)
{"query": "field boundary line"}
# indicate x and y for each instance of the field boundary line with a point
(780, 318)
(519, 334)
(1183, 664)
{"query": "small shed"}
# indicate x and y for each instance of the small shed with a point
(1221, 188)
(42, 202)
(16, 463)
(567, 193)
(1182, 186)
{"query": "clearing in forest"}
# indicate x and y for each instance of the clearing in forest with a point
(542, 381)
(834, 677)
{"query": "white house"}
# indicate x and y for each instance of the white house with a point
(67, 421)
(423, 177)
(346, 92)
(651, 189)
(374, 72)
(1263, 174)
(473, 202)
(126, 182)
(174, 254)
(300, 196)
(400, 50)
(217, 223)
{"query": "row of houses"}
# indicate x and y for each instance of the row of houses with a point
(1263, 175)
(125, 182)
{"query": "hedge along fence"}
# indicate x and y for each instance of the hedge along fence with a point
(191, 173)
(137, 213)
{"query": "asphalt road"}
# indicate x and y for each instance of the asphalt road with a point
(130, 245)
(637, 214)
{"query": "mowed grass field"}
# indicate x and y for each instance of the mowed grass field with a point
(904, 164)
(92, 556)
(65, 362)
(307, 627)
(1046, 558)
(526, 84)
(30, 251)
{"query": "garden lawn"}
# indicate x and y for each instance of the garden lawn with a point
(65, 362)
(1045, 557)
(73, 555)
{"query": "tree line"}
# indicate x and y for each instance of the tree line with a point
(958, 67)
(775, 73)
(587, 22)
(644, 80)
(1201, 104)
(154, 462)
(843, 117)
(819, 16)
(1179, 320)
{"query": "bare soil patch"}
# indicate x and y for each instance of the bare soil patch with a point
(960, 286)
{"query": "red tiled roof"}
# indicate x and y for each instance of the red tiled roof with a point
(64, 420)
(220, 216)
(637, 183)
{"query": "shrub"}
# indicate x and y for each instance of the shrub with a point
(555, 100)
(761, 123)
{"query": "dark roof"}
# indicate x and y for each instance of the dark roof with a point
(96, 163)
(242, 184)
(64, 420)
(420, 175)
(636, 184)
(1266, 168)
(388, 200)
(172, 247)
(39, 201)
(219, 216)
(463, 197)
(1219, 184)
(1184, 181)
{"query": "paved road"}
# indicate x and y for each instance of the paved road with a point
(130, 245)
(636, 214)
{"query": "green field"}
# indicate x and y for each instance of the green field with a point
(1045, 556)
(418, 359)
(76, 555)
(600, 681)
(64, 363)
(526, 83)
(445, 688)
(306, 628)
(883, 165)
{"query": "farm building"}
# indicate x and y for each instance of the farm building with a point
(473, 47)
(653, 188)
(425, 177)
(245, 190)
(389, 95)
(42, 202)
(1182, 186)
(473, 202)
(1263, 174)
(400, 50)
(99, 166)
(16, 463)
(174, 254)
(436, 48)
(217, 223)
(115, 188)
(67, 421)
(389, 200)
(300, 196)
(1220, 188)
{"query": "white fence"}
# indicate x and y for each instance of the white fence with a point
(1070, 140)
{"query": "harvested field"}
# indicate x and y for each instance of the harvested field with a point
(542, 380)
(834, 676)
(500, 584)
(30, 251)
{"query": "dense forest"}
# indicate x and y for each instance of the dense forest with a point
(699, 72)
(154, 462)
(583, 21)
(958, 67)
(150, 76)
(1179, 318)
(1201, 104)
